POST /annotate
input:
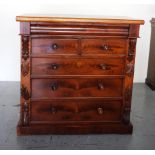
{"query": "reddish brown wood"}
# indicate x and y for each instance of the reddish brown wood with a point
(70, 46)
(79, 29)
(25, 80)
(76, 75)
(93, 20)
(134, 31)
(78, 66)
(75, 110)
(128, 83)
(70, 87)
(104, 46)
(54, 46)
(84, 128)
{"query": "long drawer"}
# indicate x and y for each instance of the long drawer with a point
(78, 66)
(76, 87)
(75, 110)
(103, 46)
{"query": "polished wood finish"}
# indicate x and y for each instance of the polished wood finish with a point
(104, 46)
(54, 46)
(76, 87)
(75, 110)
(70, 46)
(76, 74)
(78, 66)
(150, 80)
(79, 29)
(77, 19)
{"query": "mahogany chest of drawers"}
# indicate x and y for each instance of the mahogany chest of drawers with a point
(76, 74)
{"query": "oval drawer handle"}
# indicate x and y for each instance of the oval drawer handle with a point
(100, 86)
(105, 47)
(54, 66)
(54, 46)
(100, 110)
(54, 86)
(103, 66)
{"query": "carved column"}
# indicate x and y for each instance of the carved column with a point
(129, 71)
(25, 74)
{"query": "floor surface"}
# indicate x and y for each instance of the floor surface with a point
(142, 117)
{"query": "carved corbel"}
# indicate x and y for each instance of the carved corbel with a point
(130, 69)
(25, 68)
(25, 55)
(25, 47)
(131, 50)
(24, 93)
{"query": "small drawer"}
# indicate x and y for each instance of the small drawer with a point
(78, 66)
(76, 87)
(104, 46)
(54, 46)
(75, 110)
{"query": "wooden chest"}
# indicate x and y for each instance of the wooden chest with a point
(76, 74)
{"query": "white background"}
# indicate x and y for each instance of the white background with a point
(9, 28)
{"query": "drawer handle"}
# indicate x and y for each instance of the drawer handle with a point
(54, 87)
(103, 66)
(53, 110)
(54, 46)
(54, 66)
(105, 47)
(100, 111)
(100, 86)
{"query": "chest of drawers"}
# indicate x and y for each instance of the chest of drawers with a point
(76, 74)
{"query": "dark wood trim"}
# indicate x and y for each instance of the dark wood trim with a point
(109, 128)
(150, 78)
(128, 82)
(74, 76)
(79, 98)
(150, 84)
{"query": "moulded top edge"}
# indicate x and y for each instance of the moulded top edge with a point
(80, 19)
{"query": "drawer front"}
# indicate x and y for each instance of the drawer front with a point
(77, 87)
(75, 66)
(75, 110)
(54, 46)
(104, 46)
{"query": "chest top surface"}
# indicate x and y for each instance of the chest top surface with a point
(78, 18)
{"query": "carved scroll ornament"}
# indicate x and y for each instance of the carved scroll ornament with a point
(131, 50)
(24, 92)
